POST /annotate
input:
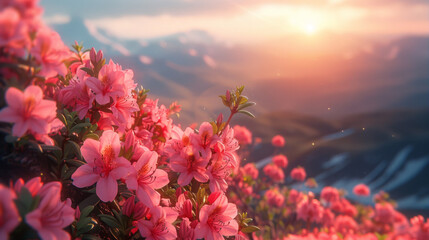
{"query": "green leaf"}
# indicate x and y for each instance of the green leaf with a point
(78, 127)
(91, 200)
(75, 162)
(109, 220)
(248, 104)
(250, 229)
(247, 113)
(88, 70)
(86, 211)
(92, 136)
(73, 147)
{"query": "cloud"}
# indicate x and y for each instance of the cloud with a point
(114, 8)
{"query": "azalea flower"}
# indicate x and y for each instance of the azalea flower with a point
(243, 135)
(361, 190)
(278, 141)
(50, 51)
(13, 33)
(52, 215)
(190, 165)
(104, 166)
(109, 84)
(298, 174)
(145, 178)
(9, 217)
(217, 219)
(160, 226)
(28, 111)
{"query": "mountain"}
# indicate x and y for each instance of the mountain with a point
(386, 150)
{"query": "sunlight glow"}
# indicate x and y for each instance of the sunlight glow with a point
(310, 29)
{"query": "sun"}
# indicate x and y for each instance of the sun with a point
(309, 29)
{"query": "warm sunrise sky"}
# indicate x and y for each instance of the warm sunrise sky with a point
(235, 21)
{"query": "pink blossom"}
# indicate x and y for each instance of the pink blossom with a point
(135, 210)
(274, 172)
(243, 135)
(251, 170)
(28, 111)
(298, 174)
(145, 178)
(33, 185)
(230, 146)
(77, 95)
(294, 196)
(104, 166)
(9, 217)
(109, 84)
(280, 160)
(50, 51)
(330, 194)
(420, 228)
(217, 219)
(274, 198)
(160, 226)
(204, 140)
(361, 190)
(52, 215)
(309, 209)
(190, 165)
(183, 207)
(218, 171)
(278, 141)
(345, 224)
(384, 213)
(13, 33)
(186, 232)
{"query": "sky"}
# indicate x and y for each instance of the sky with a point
(246, 21)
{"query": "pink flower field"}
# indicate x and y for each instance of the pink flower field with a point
(90, 154)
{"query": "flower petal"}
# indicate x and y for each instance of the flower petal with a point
(84, 176)
(107, 189)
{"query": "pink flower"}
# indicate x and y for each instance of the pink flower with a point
(160, 226)
(77, 95)
(361, 190)
(104, 166)
(294, 196)
(9, 217)
(186, 232)
(33, 185)
(218, 171)
(274, 197)
(309, 209)
(190, 165)
(278, 141)
(50, 51)
(145, 178)
(280, 160)
(204, 140)
(217, 220)
(251, 170)
(109, 84)
(298, 174)
(52, 215)
(330, 194)
(274, 172)
(13, 33)
(243, 135)
(345, 224)
(135, 210)
(384, 213)
(28, 111)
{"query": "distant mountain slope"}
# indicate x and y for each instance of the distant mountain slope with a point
(385, 150)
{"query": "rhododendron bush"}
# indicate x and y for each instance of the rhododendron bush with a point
(89, 155)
